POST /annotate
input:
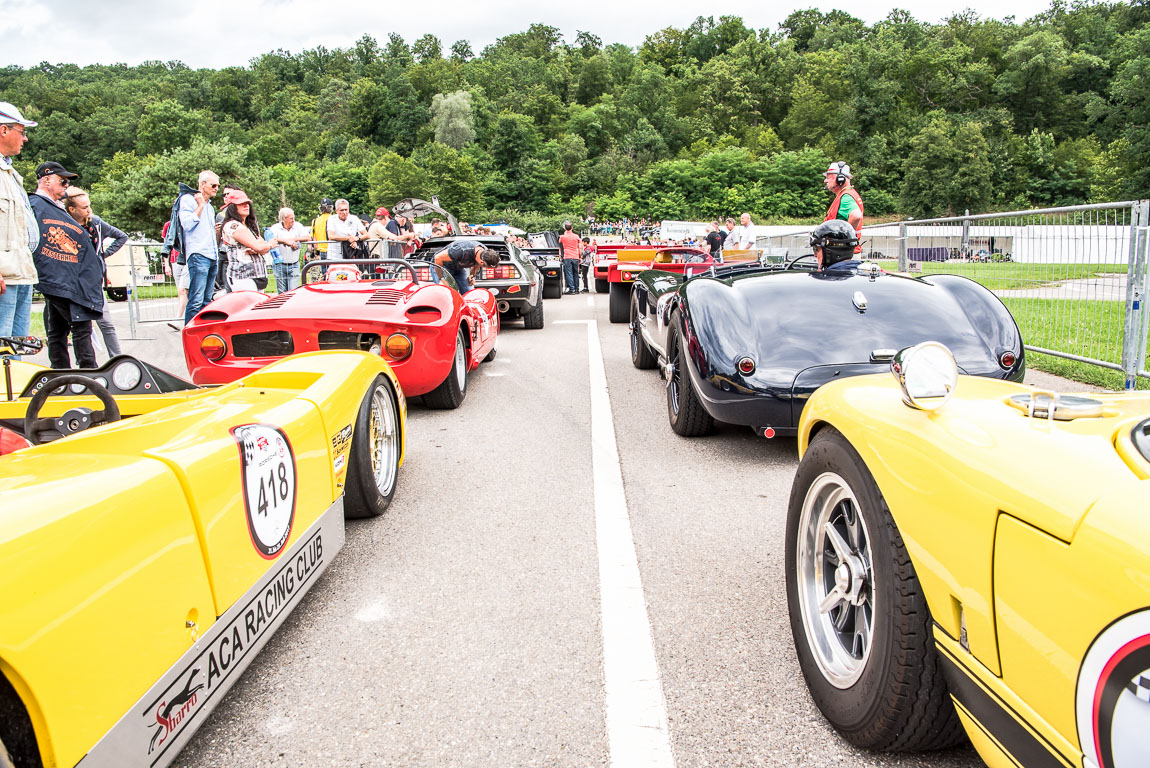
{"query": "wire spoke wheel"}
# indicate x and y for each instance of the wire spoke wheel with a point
(383, 436)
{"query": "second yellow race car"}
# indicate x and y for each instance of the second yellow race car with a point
(147, 561)
(969, 555)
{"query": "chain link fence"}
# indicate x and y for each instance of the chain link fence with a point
(1074, 277)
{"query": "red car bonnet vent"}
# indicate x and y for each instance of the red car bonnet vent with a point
(386, 296)
(212, 316)
(273, 303)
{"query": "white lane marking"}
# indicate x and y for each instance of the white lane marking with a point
(489, 373)
(637, 730)
(590, 301)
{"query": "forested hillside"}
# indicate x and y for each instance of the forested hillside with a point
(709, 120)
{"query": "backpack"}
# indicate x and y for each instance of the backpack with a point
(174, 239)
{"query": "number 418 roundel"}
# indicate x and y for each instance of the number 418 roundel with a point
(269, 485)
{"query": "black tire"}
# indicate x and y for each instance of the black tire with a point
(620, 302)
(373, 461)
(601, 285)
(533, 318)
(885, 692)
(117, 294)
(641, 355)
(451, 391)
(684, 410)
(552, 290)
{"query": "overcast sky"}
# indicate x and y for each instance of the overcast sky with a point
(219, 33)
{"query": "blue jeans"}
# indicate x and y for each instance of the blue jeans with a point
(460, 274)
(571, 273)
(287, 276)
(201, 284)
(16, 311)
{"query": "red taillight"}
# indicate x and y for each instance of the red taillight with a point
(746, 366)
(1007, 360)
(214, 348)
(768, 432)
(501, 272)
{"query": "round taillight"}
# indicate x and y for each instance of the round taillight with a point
(1007, 360)
(746, 366)
(398, 346)
(214, 348)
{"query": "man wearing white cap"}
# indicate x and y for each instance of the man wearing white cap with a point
(847, 205)
(19, 233)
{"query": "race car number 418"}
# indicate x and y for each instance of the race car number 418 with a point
(269, 485)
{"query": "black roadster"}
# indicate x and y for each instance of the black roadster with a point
(749, 343)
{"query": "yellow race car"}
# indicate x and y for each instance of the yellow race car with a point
(147, 561)
(965, 554)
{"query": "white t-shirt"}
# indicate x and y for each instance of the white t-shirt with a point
(352, 226)
(298, 231)
(744, 237)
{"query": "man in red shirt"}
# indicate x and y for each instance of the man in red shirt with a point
(569, 247)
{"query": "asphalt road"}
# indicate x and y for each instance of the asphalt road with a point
(464, 627)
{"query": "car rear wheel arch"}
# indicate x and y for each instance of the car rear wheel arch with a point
(17, 735)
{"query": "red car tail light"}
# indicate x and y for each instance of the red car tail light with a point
(501, 272)
(398, 346)
(746, 366)
(1007, 360)
(214, 348)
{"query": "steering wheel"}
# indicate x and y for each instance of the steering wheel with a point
(75, 420)
(792, 262)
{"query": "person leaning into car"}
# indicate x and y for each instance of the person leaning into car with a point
(463, 255)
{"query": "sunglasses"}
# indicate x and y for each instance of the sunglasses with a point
(18, 128)
(64, 182)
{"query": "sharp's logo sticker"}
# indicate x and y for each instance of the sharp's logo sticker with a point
(268, 477)
(224, 650)
(173, 710)
(1112, 702)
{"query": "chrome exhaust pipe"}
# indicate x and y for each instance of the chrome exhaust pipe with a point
(503, 306)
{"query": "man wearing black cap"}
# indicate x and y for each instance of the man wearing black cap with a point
(69, 269)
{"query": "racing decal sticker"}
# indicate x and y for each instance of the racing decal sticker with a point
(1112, 700)
(226, 649)
(268, 479)
(340, 443)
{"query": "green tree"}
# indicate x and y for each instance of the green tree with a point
(452, 119)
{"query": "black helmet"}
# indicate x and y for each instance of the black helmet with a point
(326, 204)
(838, 240)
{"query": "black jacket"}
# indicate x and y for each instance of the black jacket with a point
(66, 260)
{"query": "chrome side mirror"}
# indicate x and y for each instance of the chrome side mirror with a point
(927, 374)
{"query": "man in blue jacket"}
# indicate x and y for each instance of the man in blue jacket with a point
(70, 271)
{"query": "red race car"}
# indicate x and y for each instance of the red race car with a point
(629, 263)
(429, 334)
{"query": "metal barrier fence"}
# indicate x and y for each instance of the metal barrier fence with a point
(151, 290)
(1074, 277)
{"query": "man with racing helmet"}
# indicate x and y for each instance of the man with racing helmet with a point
(834, 243)
(847, 205)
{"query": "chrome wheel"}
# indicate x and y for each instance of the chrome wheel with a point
(383, 438)
(460, 362)
(673, 372)
(835, 580)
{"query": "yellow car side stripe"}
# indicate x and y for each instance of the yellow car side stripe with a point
(994, 716)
